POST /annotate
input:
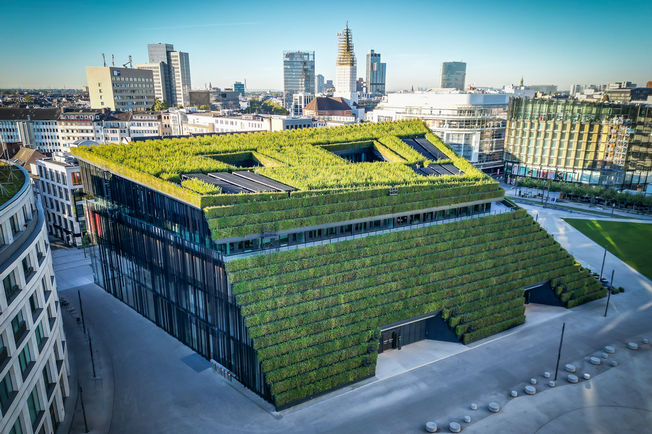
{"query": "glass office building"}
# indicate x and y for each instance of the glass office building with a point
(453, 75)
(579, 141)
(298, 74)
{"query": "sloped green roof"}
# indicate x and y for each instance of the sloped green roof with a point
(314, 313)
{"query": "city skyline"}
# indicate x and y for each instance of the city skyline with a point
(500, 44)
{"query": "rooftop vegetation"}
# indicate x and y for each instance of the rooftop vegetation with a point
(292, 157)
(314, 313)
(11, 181)
(329, 187)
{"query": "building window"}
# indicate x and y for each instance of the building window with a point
(13, 221)
(17, 428)
(40, 336)
(25, 360)
(11, 288)
(34, 406)
(6, 392)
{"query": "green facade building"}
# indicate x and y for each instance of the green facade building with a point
(597, 143)
(292, 258)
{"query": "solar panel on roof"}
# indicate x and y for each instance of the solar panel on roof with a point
(452, 168)
(275, 185)
(425, 143)
(226, 187)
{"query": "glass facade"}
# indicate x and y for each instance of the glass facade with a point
(153, 253)
(298, 74)
(579, 141)
(453, 75)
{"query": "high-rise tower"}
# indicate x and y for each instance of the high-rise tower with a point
(173, 80)
(345, 73)
(375, 74)
(298, 74)
(453, 75)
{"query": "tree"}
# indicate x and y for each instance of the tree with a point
(28, 98)
(159, 105)
(203, 107)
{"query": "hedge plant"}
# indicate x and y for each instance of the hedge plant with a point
(313, 313)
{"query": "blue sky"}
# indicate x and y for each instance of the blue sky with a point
(49, 43)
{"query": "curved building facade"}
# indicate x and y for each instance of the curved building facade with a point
(33, 362)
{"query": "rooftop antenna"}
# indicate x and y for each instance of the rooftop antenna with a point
(112, 60)
(103, 59)
(130, 63)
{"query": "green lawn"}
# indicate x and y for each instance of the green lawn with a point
(631, 242)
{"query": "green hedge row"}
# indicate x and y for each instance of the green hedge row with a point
(313, 313)
(445, 277)
(294, 282)
(261, 266)
(239, 226)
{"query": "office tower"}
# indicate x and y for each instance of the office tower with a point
(298, 74)
(159, 74)
(177, 72)
(453, 75)
(375, 74)
(124, 89)
(601, 143)
(239, 87)
(321, 86)
(345, 70)
(33, 351)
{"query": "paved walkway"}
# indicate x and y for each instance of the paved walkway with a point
(158, 386)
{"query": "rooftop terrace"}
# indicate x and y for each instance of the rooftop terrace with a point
(11, 181)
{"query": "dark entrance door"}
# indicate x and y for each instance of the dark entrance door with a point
(429, 326)
(388, 340)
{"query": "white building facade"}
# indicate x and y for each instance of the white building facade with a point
(473, 124)
(62, 196)
(33, 362)
(345, 68)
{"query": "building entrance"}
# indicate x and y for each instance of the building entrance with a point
(428, 326)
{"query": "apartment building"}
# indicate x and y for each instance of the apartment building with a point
(33, 361)
(61, 193)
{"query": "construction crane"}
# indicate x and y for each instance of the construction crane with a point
(103, 59)
(130, 63)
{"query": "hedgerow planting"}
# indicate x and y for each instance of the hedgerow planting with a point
(314, 313)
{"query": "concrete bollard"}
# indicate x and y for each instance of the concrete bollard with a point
(474, 406)
(613, 363)
(546, 374)
(431, 426)
(572, 378)
(530, 390)
(494, 407)
(632, 345)
(552, 383)
(586, 376)
(595, 360)
(609, 349)
(533, 381)
(454, 427)
(570, 368)
(513, 394)
(467, 419)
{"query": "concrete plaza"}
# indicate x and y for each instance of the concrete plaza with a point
(148, 382)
